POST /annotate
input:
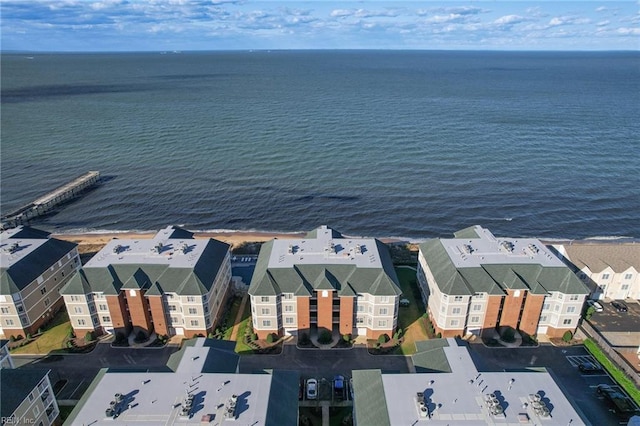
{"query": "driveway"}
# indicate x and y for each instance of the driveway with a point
(80, 369)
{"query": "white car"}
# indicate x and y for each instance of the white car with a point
(312, 389)
(596, 305)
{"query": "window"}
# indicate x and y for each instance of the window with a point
(543, 318)
(360, 308)
(264, 299)
(479, 295)
(36, 410)
(92, 308)
(20, 308)
(287, 296)
(567, 321)
(195, 323)
(571, 309)
(193, 311)
(106, 319)
(574, 297)
(43, 290)
(624, 287)
(191, 299)
(288, 308)
(40, 279)
(95, 320)
(560, 296)
(103, 307)
(359, 320)
(455, 311)
(8, 321)
(170, 295)
(172, 308)
(382, 323)
(477, 307)
(628, 276)
(175, 320)
(445, 297)
(458, 299)
(31, 397)
(442, 309)
(132, 293)
(556, 308)
(384, 311)
(384, 299)
(455, 322)
(75, 298)
(82, 322)
(605, 276)
(4, 310)
(77, 309)
(265, 311)
(47, 302)
(475, 319)
(288, 320)
(266, 323)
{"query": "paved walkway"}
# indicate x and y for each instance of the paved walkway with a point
(517, 339)
(325, 413)
(236, 323)
(133, 344)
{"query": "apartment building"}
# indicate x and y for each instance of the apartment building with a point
(171, 284)
(34, 268)
(610, 270)
(27, 398)
(476, 282)
(5, 355)
(324, 280)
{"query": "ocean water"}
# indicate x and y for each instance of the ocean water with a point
(372, 143)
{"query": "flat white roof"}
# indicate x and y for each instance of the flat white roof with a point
(324, 249)
(158, 398)
(488, 249)
(159, 250)
(13, 250)
(458, 398)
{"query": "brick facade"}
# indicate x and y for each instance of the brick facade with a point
(139, 310)
(492, 311)
(325, 310)
(346, 314)
(158, 315)
(304, 316)
(531, 314)
(118, 312)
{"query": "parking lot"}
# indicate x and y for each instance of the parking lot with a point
(610, 320)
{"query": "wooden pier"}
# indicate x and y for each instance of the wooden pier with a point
(45, 204)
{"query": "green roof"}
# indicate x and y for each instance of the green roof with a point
(467, 233)
(284, 387)
(26, 270)
(16, 385)
(369, 401)
(156, 279)
(497, 278)
(430, 356)
(303, 279)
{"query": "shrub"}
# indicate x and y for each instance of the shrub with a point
(70, 333)
(29, 336)
(398, 334)
(211, 336)
(19, 337)
(40, 330)
(141, 337)
(270, 338)
(12, 338)
(567, 336)
(120, 337)
(346, 337)
(325, 337)
(89, 337)
(304, 339)
(69, 344)
(509, 335)
(589, 313)
(439, 335)
(384, 338)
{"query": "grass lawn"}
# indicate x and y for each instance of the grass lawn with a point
(242, 347)
(65, 410)
(231, 317)
(54, 337)
(410, 317)
(336, 416)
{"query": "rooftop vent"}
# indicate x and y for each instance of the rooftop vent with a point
(467, 248)
(157, 248)
(12, 248)
(358, 249)
(117, 249)
(507, 246)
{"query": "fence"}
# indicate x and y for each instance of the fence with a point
(621, 362)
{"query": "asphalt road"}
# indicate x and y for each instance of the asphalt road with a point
(80, 369)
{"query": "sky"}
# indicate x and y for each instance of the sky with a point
(184, 25)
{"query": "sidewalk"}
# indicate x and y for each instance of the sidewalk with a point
(236, 323)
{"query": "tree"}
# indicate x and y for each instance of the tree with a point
(89, 337)
(567, 336)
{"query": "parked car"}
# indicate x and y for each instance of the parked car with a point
(595, 305)
(312, 389)
(338, 387)
(620, 403)
(619, 306)
(404, 302)
(589, 367)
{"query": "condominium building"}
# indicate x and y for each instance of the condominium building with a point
(34, 268)
(171, 284)
(26, 395)
(610, 270)
(324, 280)
(451, 391)
(476, 282)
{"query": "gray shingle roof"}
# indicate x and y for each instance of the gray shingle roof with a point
(497, 278)
(284, 387)
(15, 386)
(599, 256)
(369, 402)
(303, 279)
(21, 273)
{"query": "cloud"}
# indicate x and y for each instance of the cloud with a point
(628, 31)
(509, 20)
(568, 20)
